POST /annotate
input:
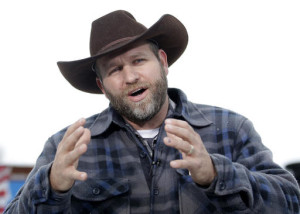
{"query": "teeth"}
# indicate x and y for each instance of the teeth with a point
(137, 92)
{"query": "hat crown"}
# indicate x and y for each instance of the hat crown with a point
(113, 28)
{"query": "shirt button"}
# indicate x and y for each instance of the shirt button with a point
(142, 155)
(156, 191)
(44, 193)
(96, 191)
(222, 185)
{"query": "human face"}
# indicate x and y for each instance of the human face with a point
(135, 82)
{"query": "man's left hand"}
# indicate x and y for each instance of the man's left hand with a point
(195, 158)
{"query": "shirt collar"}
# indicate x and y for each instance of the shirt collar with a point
(179, 108)
(102, 122)
(187, 110)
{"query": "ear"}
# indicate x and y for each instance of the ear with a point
(164, 60)
(100, 85)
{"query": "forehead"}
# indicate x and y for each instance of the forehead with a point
(135, 50)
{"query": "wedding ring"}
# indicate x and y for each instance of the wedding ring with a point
(191, 150)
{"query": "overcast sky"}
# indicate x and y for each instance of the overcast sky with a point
(242, 55)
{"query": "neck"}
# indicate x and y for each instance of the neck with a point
(154, 122)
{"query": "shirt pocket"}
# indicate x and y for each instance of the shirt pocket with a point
(109, 195)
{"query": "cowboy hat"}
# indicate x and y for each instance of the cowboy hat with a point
(116, 31)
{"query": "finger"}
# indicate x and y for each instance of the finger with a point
(69, 142)
(173, 137)
(174, 141)
(85, 138)
(179, 123)
(180, 164)
(77, 175)
(80, 148)
(74, 127)
(184, 131)
(178, 131)
(72, 157)
(177, 143)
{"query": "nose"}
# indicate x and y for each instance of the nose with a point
(130, 74)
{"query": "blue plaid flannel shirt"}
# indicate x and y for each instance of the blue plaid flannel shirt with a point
(248, 181)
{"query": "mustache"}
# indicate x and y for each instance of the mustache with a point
(134, 86)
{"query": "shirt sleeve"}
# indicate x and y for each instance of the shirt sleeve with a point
(36, 195)
(250, 182)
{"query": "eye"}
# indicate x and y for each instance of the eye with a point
(115, 69)
(138, 61)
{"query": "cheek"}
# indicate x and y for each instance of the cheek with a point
(152, 73)
(113, 86)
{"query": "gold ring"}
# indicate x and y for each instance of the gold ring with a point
(191, 150)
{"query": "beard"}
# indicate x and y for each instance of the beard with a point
(146, 109)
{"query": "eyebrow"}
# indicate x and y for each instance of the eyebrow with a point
(111, 63)
(138, 54)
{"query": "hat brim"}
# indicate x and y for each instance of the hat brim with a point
(168, 32)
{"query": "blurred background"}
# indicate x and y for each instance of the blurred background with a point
(242, 55)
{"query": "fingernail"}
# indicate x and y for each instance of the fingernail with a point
(82, 147)
(168, 140)
(83, 176)
(173, 164)
(167, 121)
(168, 127)
(81, 120)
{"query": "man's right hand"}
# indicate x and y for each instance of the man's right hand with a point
(64, 168)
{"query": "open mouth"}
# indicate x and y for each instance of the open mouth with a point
(137, 92)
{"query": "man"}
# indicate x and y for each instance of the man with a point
(151, 151)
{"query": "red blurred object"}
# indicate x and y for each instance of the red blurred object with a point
(4, 187)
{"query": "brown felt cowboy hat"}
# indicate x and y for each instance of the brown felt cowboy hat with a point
(118, 30)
